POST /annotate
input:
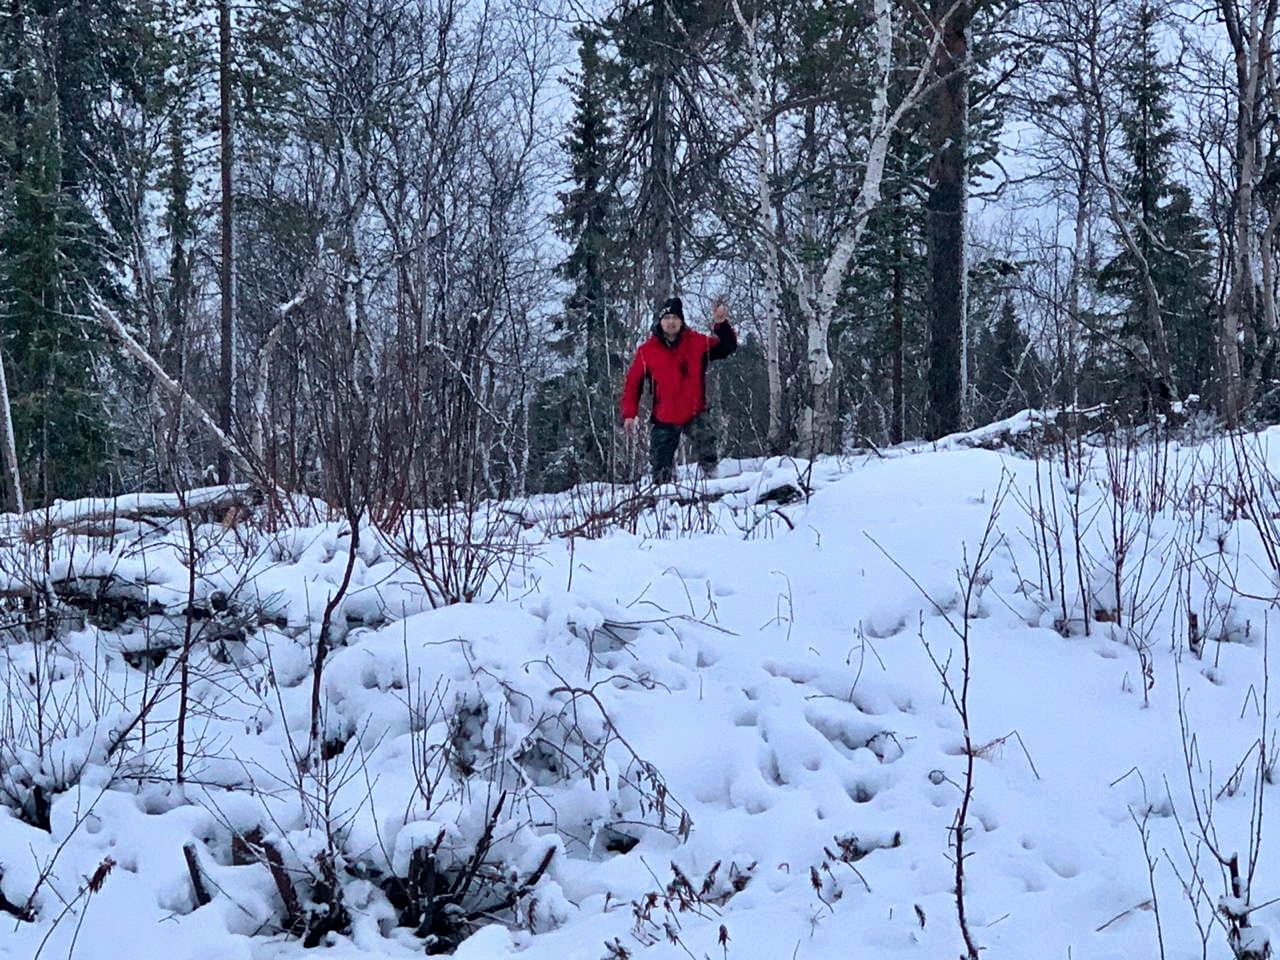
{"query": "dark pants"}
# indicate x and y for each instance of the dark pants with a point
(665, 437)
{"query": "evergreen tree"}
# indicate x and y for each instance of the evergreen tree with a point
(663, 156)
(881, 347)
(589, 221)
(1171, 239)
(51, 254)
(1006, 373)
(574, 429)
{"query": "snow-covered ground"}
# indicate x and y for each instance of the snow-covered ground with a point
(727, 728)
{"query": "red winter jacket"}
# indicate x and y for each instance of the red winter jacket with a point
(677, 372)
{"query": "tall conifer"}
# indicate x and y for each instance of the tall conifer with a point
(1171, 238)
(51, 251)
(574, 429)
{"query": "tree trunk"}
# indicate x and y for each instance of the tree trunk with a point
(13, 476)
(768, 228)
(1250, 26)
(226, 273)
(1079, 252)
(819, 304)
(169, 421)
(945, 219)
(662, 190)
(808, 423)
(772, 306)
(897, 341)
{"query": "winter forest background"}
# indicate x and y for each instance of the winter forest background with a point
(317, 313)
(401, 250)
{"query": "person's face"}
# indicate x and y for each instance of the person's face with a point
(670, 324)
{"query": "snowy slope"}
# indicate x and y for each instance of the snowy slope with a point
(718, 729)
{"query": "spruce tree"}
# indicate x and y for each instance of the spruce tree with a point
(574, 418)
(51, 254)
(880, 348)
(589, 220)
(1006, 373)
(664, 153)
(1170, 237)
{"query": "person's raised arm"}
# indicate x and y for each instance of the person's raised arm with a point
(726, 339)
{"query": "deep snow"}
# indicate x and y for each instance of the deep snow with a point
(746, 695)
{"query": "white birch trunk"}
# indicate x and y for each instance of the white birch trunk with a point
(1075, 305)
(818, 294)
(355, 301)
(107, 318)
(769, 248)
(1250, 28)
(10, 444)
(310, 283)
(819, 308)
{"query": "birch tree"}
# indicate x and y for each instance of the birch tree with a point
(756, 106)
(1250, 28)
(819, 306)
(13, 473)
(790, 216)
(226, 231)
(1077, 39)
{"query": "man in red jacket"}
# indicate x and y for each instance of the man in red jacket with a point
(674, 361)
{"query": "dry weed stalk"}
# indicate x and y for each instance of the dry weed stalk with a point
(973, 578)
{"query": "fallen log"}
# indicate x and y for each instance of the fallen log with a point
(100, 516)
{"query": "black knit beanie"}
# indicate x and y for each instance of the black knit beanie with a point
(672, 306)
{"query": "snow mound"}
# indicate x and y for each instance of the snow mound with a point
(798, 705)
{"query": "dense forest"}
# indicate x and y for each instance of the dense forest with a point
(399, 252)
